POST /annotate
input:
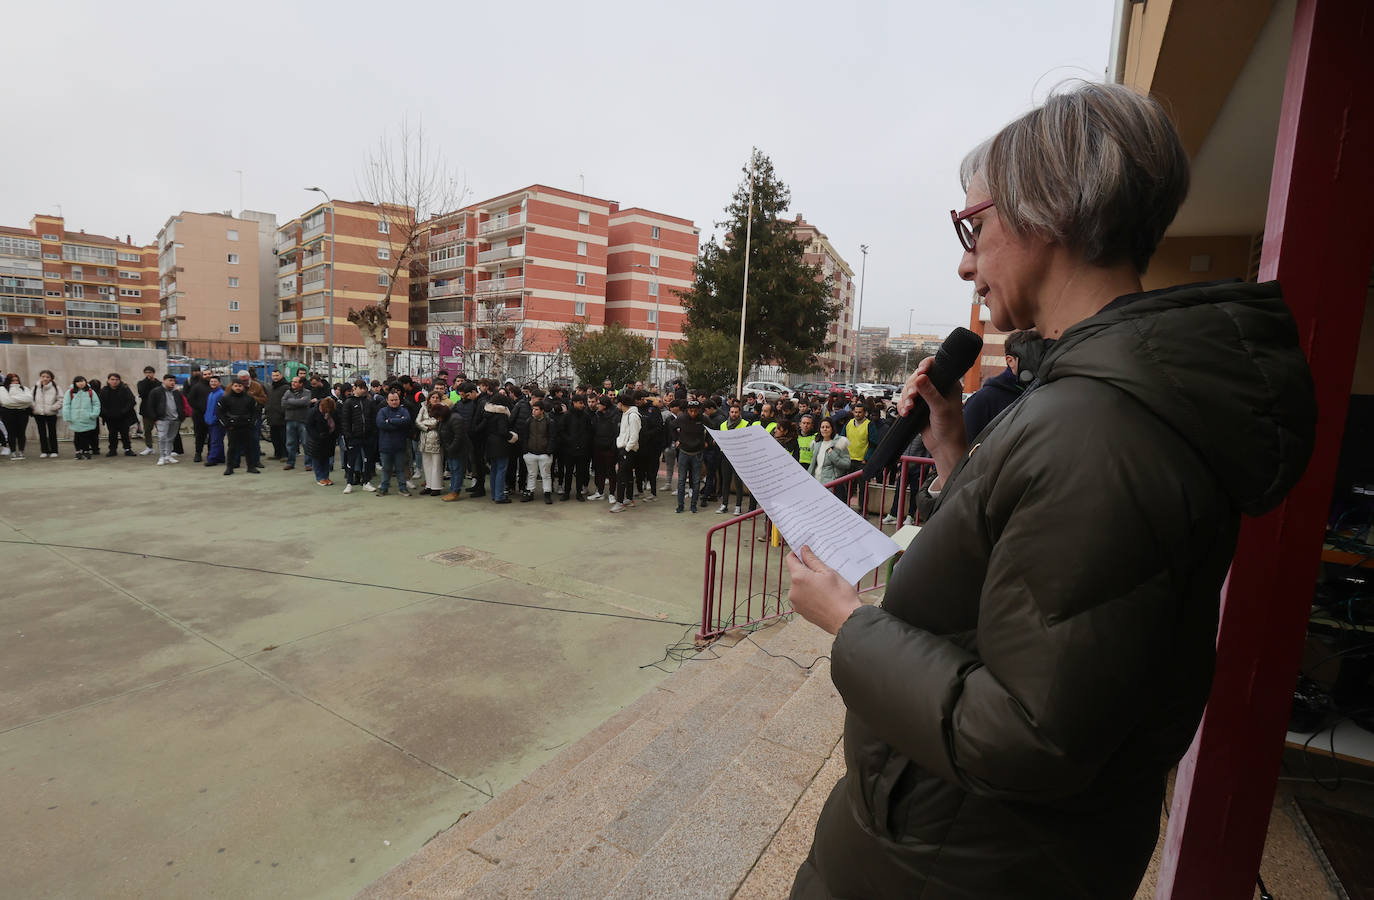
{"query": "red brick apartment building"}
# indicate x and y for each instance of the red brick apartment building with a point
(363, 247)
(506, 275)
(61, 287)
(842, 334)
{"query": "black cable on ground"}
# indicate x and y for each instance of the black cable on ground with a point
(345, 581)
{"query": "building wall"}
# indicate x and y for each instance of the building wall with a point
(1182, 260)
(60, 287)
(362, 254)
(205, 297)
(267, 271)
(820, 252)
(650, 251)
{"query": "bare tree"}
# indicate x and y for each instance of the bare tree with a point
(499, 342)
(408, 180)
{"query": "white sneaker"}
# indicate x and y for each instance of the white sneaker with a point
(17, 456)
(162, 460)
(736, 510)
(42, 456)
(908, 521)
(616, 507)
(597, 496)
(173, 459)
(348, 489)
(889, 520)
(367, 487)
(4, 451)
(174, 453)
(721, 509)
(145, 451)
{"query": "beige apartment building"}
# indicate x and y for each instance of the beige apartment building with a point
(211, 287)
(820, 252)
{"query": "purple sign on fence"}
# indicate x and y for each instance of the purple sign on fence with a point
(451, 350)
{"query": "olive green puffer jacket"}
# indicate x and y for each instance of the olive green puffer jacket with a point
(1045, 648)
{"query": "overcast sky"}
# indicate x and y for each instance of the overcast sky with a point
(865, 108)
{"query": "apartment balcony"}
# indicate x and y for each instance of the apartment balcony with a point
(446, 318)
(308, 287)
(511, 285)
(500, 225)
(170, 289)
(287, 290)
(313, 259)
(500, 313)
(483, 343)
(452, 289)
(287, 266)
(314, 230)
(285, 240)
(447, 237)
(447, 265)
(500, 255)
(312, 339)
(312, 312)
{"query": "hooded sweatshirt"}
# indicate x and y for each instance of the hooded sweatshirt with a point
(1044, 652)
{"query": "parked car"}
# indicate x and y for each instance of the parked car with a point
(823, 389)
(874, 391)
(768, 390)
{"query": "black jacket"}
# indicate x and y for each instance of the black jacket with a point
(237, 410)
(529, 429)
(319, 437)
(453, 437)
(357, 418)
(606, 429)
(145, 387)
(690, 433)
(117, 405)
(996, 394)
(1044, 652)
(575, 430)
(496, 430)
(197, 391)
(156, 403)
(275, 391)
(651, 430)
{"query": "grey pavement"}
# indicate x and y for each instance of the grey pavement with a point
(212, 713)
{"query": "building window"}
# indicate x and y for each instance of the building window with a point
(132, 326)
(131, 276)
(584, 217)
(53, 293)
(581, 279)
(383, 226)
(75, 290)
(105, 291)
(232, 234)
(233, 329)
(102, 272)
(581, 248)
(134, 311)
(129, 257)
(233, 305)
(383, 279)
(54, 331)
(49, 237)
(56, 276)
(57, 313)
(653, 260)
(233, 259)
(384, 253)
(653, 232)
(653, 317)
(580, 307)
(653, 289)
(78, 272)
(233, 282)
(51, 256)
(77, 253)
(130, 292)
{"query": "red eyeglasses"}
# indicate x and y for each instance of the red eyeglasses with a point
(961, 226)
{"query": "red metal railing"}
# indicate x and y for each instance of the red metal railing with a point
(740, 552)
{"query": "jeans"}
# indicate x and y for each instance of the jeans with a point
(455, 473)
(575, 469)
(688, 469)
(669, 459)
(149, 429)
(498, 476)
(117, 432)
(277, 425)
(603, 461)
(166, 428)
(295, 439)
(538, 464)
(730, 481)
(394, 462)
(625, 477)
(355, 463)
(322, 468)
(47, 433)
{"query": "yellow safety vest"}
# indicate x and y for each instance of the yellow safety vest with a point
(804, 442)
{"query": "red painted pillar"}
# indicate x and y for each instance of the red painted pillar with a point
(1319, 244)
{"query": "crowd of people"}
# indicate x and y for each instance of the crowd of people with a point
(451, 438)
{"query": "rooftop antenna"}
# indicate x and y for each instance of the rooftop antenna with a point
(240, 171)
(582, 179)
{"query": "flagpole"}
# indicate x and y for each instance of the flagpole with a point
(744, 299)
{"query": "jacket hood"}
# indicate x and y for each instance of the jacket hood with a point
(497, 408)
(1218, 363)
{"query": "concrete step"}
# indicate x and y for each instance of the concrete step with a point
(676, 795)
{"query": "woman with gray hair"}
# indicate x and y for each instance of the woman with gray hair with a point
(1045, 647)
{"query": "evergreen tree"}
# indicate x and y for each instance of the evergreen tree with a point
(710, 359)
(790, 305)
(612, 352)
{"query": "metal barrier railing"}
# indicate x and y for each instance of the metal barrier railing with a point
(746, 550)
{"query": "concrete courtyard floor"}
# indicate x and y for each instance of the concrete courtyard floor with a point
(207, 714)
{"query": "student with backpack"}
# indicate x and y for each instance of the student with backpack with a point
(81, 412)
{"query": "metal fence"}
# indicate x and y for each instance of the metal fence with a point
(745, 574)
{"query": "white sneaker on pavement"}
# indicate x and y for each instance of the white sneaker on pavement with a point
(145, 451)
(348, 489)
(908, 521)
(616, 507)
(597, 496)
(889, 520)
(162, 460)
(173, 459)
(721, 509)
(368, 487)
(736, 510)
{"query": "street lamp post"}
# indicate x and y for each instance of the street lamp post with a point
(659, 288)
(333, 239)
(859, 317)
(909, 314)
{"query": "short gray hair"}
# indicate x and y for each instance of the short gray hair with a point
(1099, 169)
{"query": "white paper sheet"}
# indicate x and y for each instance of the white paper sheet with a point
(804, 511)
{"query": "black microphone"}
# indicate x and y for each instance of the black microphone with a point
(955, 357)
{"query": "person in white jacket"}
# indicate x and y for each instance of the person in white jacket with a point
(47, 404)
(626, 446)
(16, 404)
